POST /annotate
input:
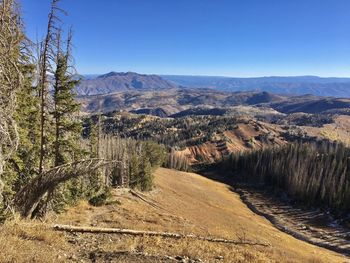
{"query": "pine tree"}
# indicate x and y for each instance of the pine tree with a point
(146, 174)
(134, 170)
(11, 41)
(23, 165)
(67, 127)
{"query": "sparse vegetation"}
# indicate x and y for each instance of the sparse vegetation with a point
(135, 161)
(177, 161)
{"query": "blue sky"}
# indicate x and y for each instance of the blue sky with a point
(205, 37)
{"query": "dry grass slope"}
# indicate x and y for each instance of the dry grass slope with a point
(182, 202)
(28, 241)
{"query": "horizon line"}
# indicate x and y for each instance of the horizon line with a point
(218, 76)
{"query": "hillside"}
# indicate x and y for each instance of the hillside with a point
(182, 202)
(203, 139)
(312, 105)
(336, 87)
(182, 102)
(120, 81)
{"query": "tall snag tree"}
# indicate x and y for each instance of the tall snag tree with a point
(11, 40)
(45, 66)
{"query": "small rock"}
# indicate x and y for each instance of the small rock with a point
(219, 257)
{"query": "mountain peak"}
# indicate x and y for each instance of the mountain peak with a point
(116, 74)
(122, 81)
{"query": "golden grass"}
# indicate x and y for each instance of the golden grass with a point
(190, 248)
(186, 203)
(30, 241)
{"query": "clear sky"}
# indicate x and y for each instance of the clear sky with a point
(205, 37)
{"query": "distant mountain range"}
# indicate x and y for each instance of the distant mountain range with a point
(130, 81)
(301, 85)
(120, 81)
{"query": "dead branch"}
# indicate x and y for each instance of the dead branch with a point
(134, 193)
(98, 230)
(27, 199)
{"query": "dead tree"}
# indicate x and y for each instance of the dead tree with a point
(46, 56)
(27, 199)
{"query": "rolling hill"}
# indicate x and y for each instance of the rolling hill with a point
(174, 100)
(207, 102)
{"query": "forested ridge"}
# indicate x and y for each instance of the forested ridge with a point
(315, 174)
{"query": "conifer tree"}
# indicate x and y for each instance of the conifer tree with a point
(23, 164)
(67, 127)
(134, 169)
(11, 40)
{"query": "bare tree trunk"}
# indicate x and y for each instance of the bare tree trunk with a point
(56, 116)
(43, 82)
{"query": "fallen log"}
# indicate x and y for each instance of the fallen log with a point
(99, 230)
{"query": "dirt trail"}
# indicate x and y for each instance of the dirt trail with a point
(185, 203)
